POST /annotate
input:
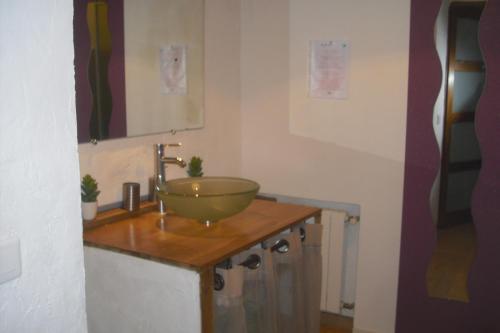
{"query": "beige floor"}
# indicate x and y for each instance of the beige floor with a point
(334, 330)
(331, 323)
(450, 264)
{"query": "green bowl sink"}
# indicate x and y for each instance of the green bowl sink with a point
(208, 199)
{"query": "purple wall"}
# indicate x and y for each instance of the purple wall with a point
(116, 70)
(416, 312)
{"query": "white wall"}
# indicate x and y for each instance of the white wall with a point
(218, 143)
(363, 160)
(39, 179)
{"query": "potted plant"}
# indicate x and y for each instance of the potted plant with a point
(195, 168)
(89, 194)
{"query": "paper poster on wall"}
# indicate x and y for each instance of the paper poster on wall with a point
(173, 70)
(328, 69)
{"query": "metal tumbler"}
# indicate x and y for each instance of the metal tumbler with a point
(131, 196)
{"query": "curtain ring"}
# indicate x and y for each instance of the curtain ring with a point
(302, 234)
(218, 282)
(252, 262)
(281, 246)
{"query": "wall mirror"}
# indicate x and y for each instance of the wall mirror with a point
(139, 67)
(463, 75)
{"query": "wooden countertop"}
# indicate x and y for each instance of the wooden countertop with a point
(188, 243)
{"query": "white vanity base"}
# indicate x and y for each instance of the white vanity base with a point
(130, 294)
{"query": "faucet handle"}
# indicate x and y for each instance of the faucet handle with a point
(160, 146)
(177, 144)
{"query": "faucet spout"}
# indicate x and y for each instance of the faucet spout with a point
(174, 160)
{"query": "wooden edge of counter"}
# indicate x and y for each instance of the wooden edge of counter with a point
(206, 299)
(317, 217)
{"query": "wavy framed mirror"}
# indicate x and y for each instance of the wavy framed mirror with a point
(139, 67)
(416, 310)
(463, 75)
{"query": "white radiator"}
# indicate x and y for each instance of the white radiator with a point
(340, 252)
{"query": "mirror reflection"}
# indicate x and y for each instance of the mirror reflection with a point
(139, 67)
(463, 78)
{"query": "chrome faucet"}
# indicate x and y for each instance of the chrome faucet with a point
(160, 161)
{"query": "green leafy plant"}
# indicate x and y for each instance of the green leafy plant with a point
(89, 189)
(195, 168)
